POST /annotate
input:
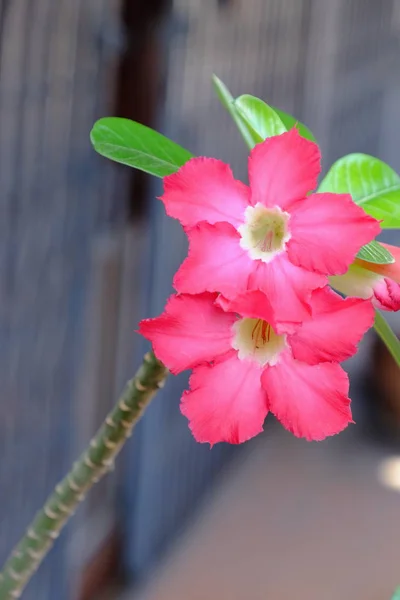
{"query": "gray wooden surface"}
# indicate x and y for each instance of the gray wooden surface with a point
(55, 195)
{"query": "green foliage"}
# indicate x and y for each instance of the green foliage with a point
(137, 146)
(375, 253)
(290, 122)
(372, 184)
(261, 120)
(396, 595)
(255, 119)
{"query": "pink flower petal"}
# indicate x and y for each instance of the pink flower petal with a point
(283, 170)
(256, 305)
(336, 327)
(310, 401)
(226, 402)
(327, 232)
(192, 330)
(364, 282)
(216, 262)
(204, 190)
(386, 294)
(288, 287)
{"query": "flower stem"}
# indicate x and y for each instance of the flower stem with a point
(388, 337)
(227, 101)
(95, 462)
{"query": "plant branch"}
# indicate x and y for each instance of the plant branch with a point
(387, 335)
(92, 465)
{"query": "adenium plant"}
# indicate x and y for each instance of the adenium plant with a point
(256, 314)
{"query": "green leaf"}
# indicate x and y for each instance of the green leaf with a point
(290, 122)
(260, 119)
(137, 146)
(255, 119)
(228, 103)
(372, 183)
(396, 595)
(374, 252)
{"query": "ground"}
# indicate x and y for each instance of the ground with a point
(291, 520)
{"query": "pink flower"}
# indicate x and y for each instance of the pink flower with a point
(271, 236)
(245, 363)
(380, 283)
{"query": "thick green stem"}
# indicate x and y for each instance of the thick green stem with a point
(388, 336)
(95, 462)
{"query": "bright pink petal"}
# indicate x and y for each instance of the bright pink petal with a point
(310, 401)
(363, 282)
(192, 330)
(283, 169)
(386, 294)
(226, 402)
(256, 305)
(216, 262)
(336, 327)
(204, 190)
(327, 232)
(288, 287)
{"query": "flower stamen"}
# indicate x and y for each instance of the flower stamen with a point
(262, 330)
(255, 339)
(265, 232)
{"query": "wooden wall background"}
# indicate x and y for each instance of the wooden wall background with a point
(57, 64)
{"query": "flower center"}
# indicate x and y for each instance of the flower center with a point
(265, 232)
(255, 339)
